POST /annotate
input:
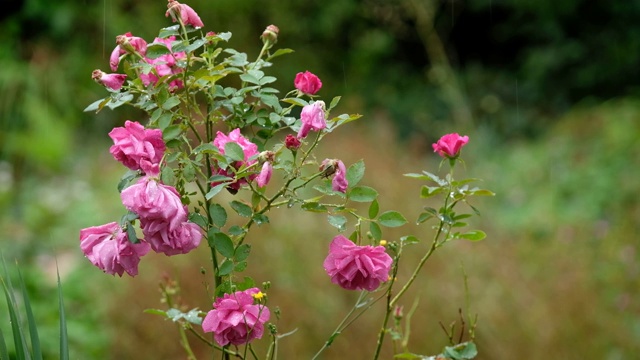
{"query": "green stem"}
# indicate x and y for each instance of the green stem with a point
(389, 308)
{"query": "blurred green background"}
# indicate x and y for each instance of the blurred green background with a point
(546, 90)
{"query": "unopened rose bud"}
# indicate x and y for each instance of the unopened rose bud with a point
(270, 35)
(291, 142)
(111, 81)
(397, 312)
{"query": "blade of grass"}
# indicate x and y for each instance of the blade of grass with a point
(64, 341)
(4, 354)
(33, 328)
(22, 351)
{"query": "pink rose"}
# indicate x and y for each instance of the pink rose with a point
(164, 65)
(356, 267)
(111, 81)
(235, 319)
(312, 117)
(449, 145)
(152, 200)
(250, 150)
(163, 239)
(126, 44)
(339, 171)
(187, 15)
(138, 148)
(307, 83)
(109, 248)
(265, 174)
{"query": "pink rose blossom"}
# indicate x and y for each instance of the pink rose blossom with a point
(111, 81)
(138, 148)
(126, 44)
(187, 15)
(265, 174)
(449, 145)
(164, 65)
(339, 171)
(152, 200)
(163, 239)
(235, 319)
(312, 117)
(356, 267)
(108, 248)
(307, 83)
(250, 150)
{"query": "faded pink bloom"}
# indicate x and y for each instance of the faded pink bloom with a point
(307, 83)
(126, 44)
(154, 201)
(449, 145)
(336, 168)
(138, 148)
(111, 81)
(187, 15)
(291, 142)
(356, 267)
(265, 174)
(163, 239)
(235, 319)
(109, 248)
(312, 117)
(164, 65)
(250, 150)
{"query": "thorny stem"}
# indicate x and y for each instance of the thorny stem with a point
(383, 330)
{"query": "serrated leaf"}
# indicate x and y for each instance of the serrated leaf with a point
(171, 132)
(375, 230)
(409, 239)
(225, 268)
(198, 219)
(171, 103)
(334, 102)
(434, 178)
(374, 208)
(279, 52)
(241, 208)
(218, 215)
(234, 151)
(314, 207)
(473, 235)
(97, 105)
(355, 172)
(462, 351)
(240, 267)
(295, 101)
(338, 221)
(362, 194)
(391, 219)
(424, 217)
(242, 252)
(223, 244)
(260, 219)
(155, 50)
(168, 31)
(429, 191)
(214, 191)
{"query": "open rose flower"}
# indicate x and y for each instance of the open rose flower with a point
(356, 267)
(187, 15)
(152, 200)
(449, 145)
(312, 117)
(138, 148)
(164, 65)
(111, 81)
(171, 241)
(249, 149)
(307, 83)
(109, 248)
(235, 319)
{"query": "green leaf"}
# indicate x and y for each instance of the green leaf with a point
(392, 219)
(260, 219)
(314, 207)
(218, 215)
(279, 52)
(247, 283)
(374, 208)
(334, 102)
(241, 208)
(362, 194)
(195, 45)
(168, 31)
(409, 239)
(33, 329)
(429, 191)
(242, 252)
(97, 105)
(424, 217)
(64, 339)
(226, 268)
(462, 351)
(236, 230)
(155, 50)
(233, 151)
(198, 219)
(249, 78)
(240, 267)
(375, 230)
(171, 132)
(215, 190)
(482, 192)
(4, 354)
(473, 235)
(295, 101)
(355, 173)
(338, 221)
(223, 244)
(171, 103)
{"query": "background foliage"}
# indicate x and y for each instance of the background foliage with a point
(546, 90)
